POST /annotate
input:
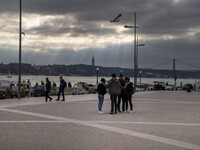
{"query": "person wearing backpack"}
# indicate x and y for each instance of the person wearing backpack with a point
(129, 90)
(121, 96)
(62, 87)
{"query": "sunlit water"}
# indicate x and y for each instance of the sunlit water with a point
(92, 80)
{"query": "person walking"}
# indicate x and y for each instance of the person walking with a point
(121, 95)
(129, 90)
(114, 90)
(101, 89)
(47, 89)
(62, 87)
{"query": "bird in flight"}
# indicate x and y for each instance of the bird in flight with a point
(116, 19)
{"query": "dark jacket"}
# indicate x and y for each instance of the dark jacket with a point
(48, 86)
(62, 84)
(114, 86)
(129, 90)
(101, 89)
(122, 82)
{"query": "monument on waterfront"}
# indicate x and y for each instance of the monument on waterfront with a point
(93, 61)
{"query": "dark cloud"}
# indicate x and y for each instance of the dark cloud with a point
(154, 55)
(171, 29)
(154, 17)
(157, 52)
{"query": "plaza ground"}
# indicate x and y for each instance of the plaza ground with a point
(160, 121)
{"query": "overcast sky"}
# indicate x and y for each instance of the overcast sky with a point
(72, 31)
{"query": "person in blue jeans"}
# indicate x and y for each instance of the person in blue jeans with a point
(114, 90)
(101, 89)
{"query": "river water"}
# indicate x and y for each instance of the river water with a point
(92, 80)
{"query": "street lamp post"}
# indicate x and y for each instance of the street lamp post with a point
(20, 46)
(135, 51)
(116, 19)
(97, 75)
(138, 45)
(140, 76)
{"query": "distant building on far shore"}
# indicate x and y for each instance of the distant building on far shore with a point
(93, 61)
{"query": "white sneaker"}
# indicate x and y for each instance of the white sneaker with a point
(131, 111)
(101, 113)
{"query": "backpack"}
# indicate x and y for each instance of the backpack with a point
(133, 90)
(64, 84)
(130, 88)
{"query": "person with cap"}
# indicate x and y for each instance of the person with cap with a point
(114, 90)
(121, 96)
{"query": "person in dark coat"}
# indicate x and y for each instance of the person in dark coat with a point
(47, 89)
(101, 89)
(121, 96)
(62, 87)
(129, 89)
(114, 90)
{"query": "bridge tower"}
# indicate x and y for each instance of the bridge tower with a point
(174, 71)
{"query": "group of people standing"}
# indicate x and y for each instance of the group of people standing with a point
(120, 90)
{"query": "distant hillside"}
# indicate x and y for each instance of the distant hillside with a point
(88, 70)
